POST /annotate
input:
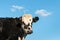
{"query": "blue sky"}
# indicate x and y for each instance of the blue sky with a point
(47, 28)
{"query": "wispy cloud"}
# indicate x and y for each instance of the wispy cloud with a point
(16, 7)
(43, 12)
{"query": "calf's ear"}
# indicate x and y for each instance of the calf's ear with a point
(35, 19)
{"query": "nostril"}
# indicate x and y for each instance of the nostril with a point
(29, 28)
(28, 31)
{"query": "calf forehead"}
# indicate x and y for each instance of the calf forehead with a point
(27, 18)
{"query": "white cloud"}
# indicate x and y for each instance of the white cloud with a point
(16, 7)
(43, 12)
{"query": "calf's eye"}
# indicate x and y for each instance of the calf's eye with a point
(29, 19)
(25, 27)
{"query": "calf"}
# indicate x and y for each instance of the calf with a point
(16, 28)
(27, 22)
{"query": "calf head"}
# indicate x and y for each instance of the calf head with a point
(27, 22)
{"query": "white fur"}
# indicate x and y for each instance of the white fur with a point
(19, 38)
(27, 19)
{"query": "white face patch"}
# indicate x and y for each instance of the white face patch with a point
(27, 19)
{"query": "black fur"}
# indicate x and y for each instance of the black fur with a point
(35, 19)
(11, 28)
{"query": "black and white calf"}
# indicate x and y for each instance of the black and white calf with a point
(16, 28)
(27, 22)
